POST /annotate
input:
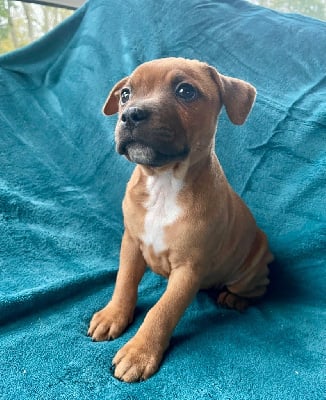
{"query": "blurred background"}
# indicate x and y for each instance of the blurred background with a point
(23, 22)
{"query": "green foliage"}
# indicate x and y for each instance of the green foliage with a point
(313, 8)
(3, 8)
(22, 23)
(4, 13)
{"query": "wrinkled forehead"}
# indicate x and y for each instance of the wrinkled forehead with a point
(168, 73)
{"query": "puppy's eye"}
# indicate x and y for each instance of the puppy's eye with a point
(186, 92)
(124, 95)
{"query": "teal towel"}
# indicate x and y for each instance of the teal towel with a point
(62, 183)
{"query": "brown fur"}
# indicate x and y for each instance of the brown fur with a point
(214, 243)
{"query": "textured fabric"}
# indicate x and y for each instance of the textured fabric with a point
(61, 187)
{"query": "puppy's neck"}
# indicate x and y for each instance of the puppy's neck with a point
(176, 170)
(162, 207)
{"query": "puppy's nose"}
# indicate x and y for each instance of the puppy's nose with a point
(134, 115)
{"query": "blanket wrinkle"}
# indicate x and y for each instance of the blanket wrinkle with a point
(293, 108)
(50, 101)
(6, 125)
(270, 142)
(266, 142)
(251, 174)
(51, 293)
(310, 89)
(259, 151)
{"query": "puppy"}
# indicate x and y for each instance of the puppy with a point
(181, 216)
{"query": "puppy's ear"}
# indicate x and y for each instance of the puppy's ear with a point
(111, 105)
(237, 96)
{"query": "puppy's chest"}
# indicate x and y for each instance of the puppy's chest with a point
(162, 210)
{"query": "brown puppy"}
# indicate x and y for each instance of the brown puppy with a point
(181, 216)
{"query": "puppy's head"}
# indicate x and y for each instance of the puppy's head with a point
(168, 110)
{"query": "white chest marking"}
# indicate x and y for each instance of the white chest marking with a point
(161, 208)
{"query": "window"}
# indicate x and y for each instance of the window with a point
(312, 8)
(23, 22)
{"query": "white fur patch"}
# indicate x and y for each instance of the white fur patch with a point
(161, 208)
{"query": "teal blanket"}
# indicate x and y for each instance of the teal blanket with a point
(61, 186)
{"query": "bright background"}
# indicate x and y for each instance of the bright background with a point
(23, 22)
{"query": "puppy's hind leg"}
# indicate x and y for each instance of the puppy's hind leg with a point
(253, 277)
(232, 301)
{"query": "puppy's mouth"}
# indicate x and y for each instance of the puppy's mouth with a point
(144, 154)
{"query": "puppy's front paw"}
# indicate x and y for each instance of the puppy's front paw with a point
(109, 323)
(136, 361)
